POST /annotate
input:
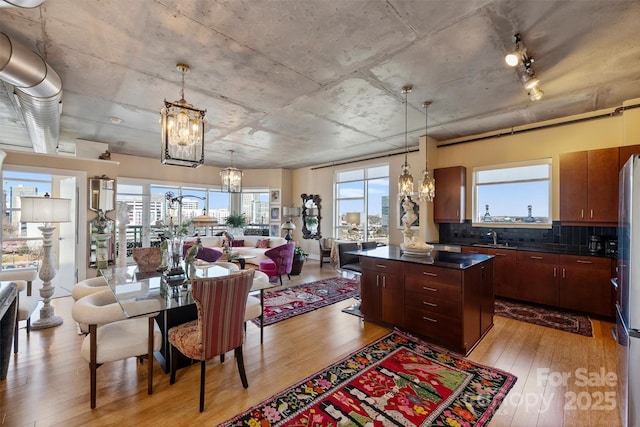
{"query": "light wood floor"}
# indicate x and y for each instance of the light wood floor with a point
(48, 381)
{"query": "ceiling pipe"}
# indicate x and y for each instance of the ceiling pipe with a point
(27, 4)
(38, 90)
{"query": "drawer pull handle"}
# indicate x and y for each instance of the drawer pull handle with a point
(535, 257)
(429, 319)
(430, 304)
(427, 288)
(428, 273)
(381, 266)
(580, 261)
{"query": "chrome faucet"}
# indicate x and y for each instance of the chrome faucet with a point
(494, 235)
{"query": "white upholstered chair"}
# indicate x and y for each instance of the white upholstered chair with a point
(112, 336)
(254, 303)
(88, 287)
(27, 303)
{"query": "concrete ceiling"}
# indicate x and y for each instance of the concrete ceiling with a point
(295, 83)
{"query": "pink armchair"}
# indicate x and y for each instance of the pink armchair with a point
(280, 261)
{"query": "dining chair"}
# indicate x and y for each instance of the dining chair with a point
(27, 303)
(255, 304)
(221, 304)
(325, 249)
(348, 261)
(112, 336)
(89, 286)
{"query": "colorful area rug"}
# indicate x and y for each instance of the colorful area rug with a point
(398, 380)
(562, 320)
(289, 302)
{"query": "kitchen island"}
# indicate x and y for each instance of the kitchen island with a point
(445, 298)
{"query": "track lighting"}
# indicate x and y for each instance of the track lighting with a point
(522, 62)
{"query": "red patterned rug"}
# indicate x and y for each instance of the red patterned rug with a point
(562, 320)
(398, 380)
(289, 302)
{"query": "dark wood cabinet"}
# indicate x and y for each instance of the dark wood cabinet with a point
(382, 290)
(504, 269)
(449, 202)
(537, 278)
(585, 284)
(487, 295)
(589, 186)
(625, 152)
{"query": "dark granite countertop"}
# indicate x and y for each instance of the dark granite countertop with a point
(455, 260)
(547, 248)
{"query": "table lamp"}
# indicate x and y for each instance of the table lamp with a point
(205, 221)
(289, 226)
(353, 218)
(46, 210)
(290, 212)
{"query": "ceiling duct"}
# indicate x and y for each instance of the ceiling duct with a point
(27, 4)
(38, 90)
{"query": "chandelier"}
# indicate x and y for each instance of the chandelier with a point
(427, 190)
(405, 182)
(231, 178)
(182, 131)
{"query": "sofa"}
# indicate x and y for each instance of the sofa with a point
(244, 245)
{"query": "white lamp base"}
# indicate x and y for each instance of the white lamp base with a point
(47, 322)
(47, 272)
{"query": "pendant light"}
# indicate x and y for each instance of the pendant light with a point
(405, 182)
(182, 127)
(427, 189)
(231, 178)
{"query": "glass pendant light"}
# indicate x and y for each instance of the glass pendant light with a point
(428, 184)
(405, 181)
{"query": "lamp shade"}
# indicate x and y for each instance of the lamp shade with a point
(288, 226)
(204, 221)
(291, 211)
(45, 209)
(353, 218)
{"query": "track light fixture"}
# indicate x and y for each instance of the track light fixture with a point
(523, 64)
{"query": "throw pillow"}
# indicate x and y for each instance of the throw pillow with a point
(237, 243)
(262, 243)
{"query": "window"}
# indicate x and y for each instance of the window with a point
(21, 242)
(515, 194)
(366, 192)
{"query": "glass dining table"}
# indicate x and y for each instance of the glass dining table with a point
(140, 293)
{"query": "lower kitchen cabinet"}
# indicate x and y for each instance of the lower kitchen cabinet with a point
(504, 269)
(382, 290)
(585, 284)
(537, 278)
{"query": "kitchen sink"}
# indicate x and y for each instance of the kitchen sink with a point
(496, 246)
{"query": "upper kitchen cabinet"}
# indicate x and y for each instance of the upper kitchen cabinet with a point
(449, 202)
(626, 152)
(589, 187)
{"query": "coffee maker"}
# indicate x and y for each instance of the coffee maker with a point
(595, 244)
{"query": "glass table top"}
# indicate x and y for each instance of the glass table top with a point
(140, 293)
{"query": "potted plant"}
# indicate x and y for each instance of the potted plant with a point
(298, 260)
(236, 223)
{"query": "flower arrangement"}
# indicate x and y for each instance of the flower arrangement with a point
(298, 252)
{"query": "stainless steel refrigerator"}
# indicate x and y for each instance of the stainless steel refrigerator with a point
(628, 293)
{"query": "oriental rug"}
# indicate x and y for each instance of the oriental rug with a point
(398, 380)
(557, 319)
(289, 302)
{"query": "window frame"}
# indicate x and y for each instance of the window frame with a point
(548, 161)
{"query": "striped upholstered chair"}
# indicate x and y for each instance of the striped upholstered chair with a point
(221, 304)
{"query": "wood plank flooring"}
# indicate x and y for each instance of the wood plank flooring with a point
(48, 381)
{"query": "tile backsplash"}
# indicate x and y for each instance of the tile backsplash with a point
(558, 237)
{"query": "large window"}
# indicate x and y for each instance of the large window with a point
(516, 194)
(365, 192)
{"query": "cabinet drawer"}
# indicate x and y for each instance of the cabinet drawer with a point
(427, 288)
(536, 258)
(381, 265)
(441, 328)
(597, 263)
(435, 303)
(433, 274)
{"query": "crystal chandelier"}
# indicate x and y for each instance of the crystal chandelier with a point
(405, 182)
(231, 178)
(182, 131)
(427, 190)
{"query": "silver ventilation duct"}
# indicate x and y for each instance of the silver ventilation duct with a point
(38, 89)
(27, 4)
